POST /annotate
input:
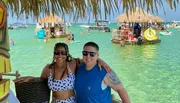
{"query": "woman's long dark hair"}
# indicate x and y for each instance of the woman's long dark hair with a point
(69, 57)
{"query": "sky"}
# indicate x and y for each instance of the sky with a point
(168, 16)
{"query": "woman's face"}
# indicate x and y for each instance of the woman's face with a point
(60, 55)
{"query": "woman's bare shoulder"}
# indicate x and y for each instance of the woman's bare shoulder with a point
(45, 73)
(46, 67)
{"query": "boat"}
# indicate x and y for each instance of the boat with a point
(53, 25)
(18, 25)
(85, 26)
(68, 24)
(101, 25)
(175, 24)
(144, 42)
(177, 27)
(165, 33)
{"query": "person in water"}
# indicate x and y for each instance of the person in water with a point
(61, 74)
(72, 37)
(167, 31)
(52, 31)
(11, 41)
(122, 42)
(137, 30)
(95, 86)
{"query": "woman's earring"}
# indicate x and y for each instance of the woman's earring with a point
(54, 60)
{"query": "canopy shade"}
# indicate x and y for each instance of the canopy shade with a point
(80, 8)
(51, 19)
(137, 16)
(158, 19)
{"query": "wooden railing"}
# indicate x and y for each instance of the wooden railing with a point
(17, 75)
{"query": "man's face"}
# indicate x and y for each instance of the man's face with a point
(90, 55)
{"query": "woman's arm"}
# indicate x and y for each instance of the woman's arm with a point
(28, 78)
(23, 79)
(45, 72)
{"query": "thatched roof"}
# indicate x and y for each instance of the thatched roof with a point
(80, 8)
(158, 19)
(136, 16)
(51, 19)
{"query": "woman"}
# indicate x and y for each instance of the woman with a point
(60, 74)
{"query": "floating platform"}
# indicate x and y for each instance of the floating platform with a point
(144, 42)
(58, 36)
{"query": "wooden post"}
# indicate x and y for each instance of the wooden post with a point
(17, 74)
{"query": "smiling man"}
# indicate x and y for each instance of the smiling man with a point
(93, 85)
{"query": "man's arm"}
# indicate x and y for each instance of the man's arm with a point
(112, 80)
(100, 63)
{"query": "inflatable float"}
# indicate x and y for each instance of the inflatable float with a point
(71, 41)
(75, 42)
(165, 33)
(41, 34)
(150, 34)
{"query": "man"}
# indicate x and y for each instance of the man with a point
(93, 85)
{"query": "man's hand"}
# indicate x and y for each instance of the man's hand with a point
(101, 63)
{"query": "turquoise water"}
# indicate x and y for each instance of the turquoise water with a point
(150, 73)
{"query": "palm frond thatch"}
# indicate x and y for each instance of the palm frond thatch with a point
(158, 19)
(80, 8)
(136, 16)
(51, 19)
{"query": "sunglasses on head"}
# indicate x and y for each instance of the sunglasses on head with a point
(85, 53)
(60, 52)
